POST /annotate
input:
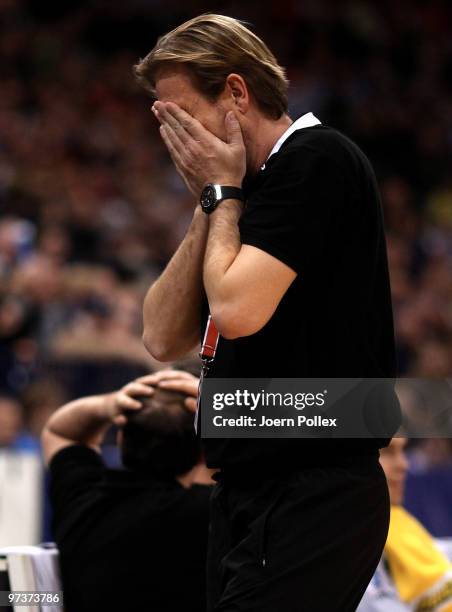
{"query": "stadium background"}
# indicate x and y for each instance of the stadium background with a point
(91, 206)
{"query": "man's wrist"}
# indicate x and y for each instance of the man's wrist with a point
(106, 411)
(227, 205)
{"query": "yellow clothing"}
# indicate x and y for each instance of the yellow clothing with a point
(422, 574)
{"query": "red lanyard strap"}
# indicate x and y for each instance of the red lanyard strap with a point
(207, 354)
(210, 343)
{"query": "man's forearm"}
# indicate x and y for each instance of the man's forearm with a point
(83, 420)
(173, 303)
(223, 246)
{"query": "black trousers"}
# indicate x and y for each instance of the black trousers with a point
(308, 541)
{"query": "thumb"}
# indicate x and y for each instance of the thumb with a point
(233, 129)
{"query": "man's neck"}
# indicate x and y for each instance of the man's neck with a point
(265, 135)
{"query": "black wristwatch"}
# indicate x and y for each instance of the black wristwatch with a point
(212, 195)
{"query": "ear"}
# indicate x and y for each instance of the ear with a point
(237, 90)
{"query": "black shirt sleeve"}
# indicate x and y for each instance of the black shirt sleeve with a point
(74, 471)
(289, 214)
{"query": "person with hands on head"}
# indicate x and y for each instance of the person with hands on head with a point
(127, 538)
(86, 420)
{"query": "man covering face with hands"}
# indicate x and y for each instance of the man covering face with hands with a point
(207, 144)
(286, 252)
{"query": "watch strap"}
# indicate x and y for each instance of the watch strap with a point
(229, 193)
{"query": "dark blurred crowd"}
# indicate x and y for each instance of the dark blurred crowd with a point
(91, 207)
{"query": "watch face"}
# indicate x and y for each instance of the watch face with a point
(208, 196)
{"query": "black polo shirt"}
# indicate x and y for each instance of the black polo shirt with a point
(315, 207)
(127, 541)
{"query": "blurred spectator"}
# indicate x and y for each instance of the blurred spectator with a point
(143, 529)
(13, 434)
(20, 477)
(414, 573)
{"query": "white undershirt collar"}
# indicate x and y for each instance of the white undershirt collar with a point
(307, 120)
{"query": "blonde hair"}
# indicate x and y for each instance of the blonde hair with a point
(212, 47)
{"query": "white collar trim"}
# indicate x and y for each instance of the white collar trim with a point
(307, 120)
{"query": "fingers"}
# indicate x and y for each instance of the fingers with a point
(183, 385)
(137, 388)
(172, 144)
(189, 124)
(167, 118)
(125, 399)
(125, 402)
(233, 130)
(172, 133)
(190, 404)
(175, 380)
